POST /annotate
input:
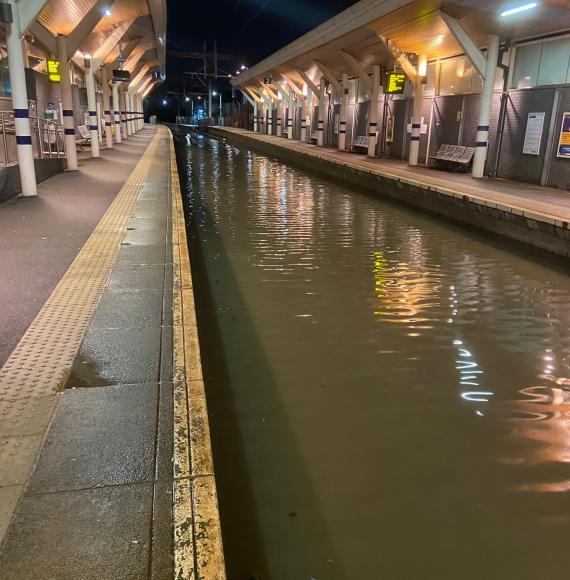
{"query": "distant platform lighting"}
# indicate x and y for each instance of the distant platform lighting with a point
(517, 9)
(214, 94)
(237, 72)
(243, 67)
(107, 12)
(164, 102)
(187, 99)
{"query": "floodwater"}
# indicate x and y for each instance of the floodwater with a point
(389, 394)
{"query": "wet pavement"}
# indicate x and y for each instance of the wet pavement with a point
(99, 501)
(387, 391)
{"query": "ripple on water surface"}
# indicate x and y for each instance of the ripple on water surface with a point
(389, 394)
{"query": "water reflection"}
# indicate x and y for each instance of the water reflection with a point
(388, 372)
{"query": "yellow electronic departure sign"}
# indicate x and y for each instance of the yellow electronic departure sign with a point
(394, 83)
(54, 74)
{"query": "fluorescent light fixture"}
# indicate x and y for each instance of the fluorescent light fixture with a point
(521, 8)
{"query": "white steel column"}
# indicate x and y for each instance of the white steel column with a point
(279, 114)
(309, 117)
(116, 113)
(343, 111)
(417, 113)
(92, 106)
(373, 115)
(20, 105)
(107, 107)
(270, 116)
(321, 118)
(290, 109)
(123, 110)
(128, 112)
(482, 140)
(67, 104)
(305, 122)
(135, 106)
(255, 112)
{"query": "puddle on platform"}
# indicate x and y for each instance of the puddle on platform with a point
(389, 395)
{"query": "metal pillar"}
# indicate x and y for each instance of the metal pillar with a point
(20, 104)
(107, 107)
(255, 113)
(116, 113)
(92, 106)
(270, 117)
(123, 110)
(290, 109)
(482, 140)
(279, 113)
(67, 105)
(343, 111)
(321, 118)
(309, 116)
(373, 116)
(417, 112)
(128, 113)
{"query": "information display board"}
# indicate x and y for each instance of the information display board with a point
(120, 75)
(394, 83)
(533, 134)
(54, 74)
(564, 141)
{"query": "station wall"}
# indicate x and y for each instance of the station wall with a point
(453, 119)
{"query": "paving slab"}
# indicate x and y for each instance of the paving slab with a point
(116, 356)
(17, 456)
(128, 309)
(99, 437)
(128, 276)
(141, 255)
(90, 534)
(26, 416)
(9, 497)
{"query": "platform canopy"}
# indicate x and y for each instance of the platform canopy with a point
(414, 27)
(133, 31)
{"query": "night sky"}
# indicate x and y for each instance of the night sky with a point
(252, 28)
(255, 28)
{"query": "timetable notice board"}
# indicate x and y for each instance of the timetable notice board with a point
(564, 141)
(533, 134)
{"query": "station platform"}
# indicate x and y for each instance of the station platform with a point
(535, 215)
(105, 462)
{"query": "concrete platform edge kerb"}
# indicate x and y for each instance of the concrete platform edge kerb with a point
(546, 232)
(198, 550)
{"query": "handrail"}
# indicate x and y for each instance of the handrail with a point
(48, 138)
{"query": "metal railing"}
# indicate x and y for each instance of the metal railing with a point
(47, 138)
(8, 135)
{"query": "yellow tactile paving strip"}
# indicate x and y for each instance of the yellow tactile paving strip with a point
(198, 552)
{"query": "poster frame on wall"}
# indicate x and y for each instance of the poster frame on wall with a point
(563, 150)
